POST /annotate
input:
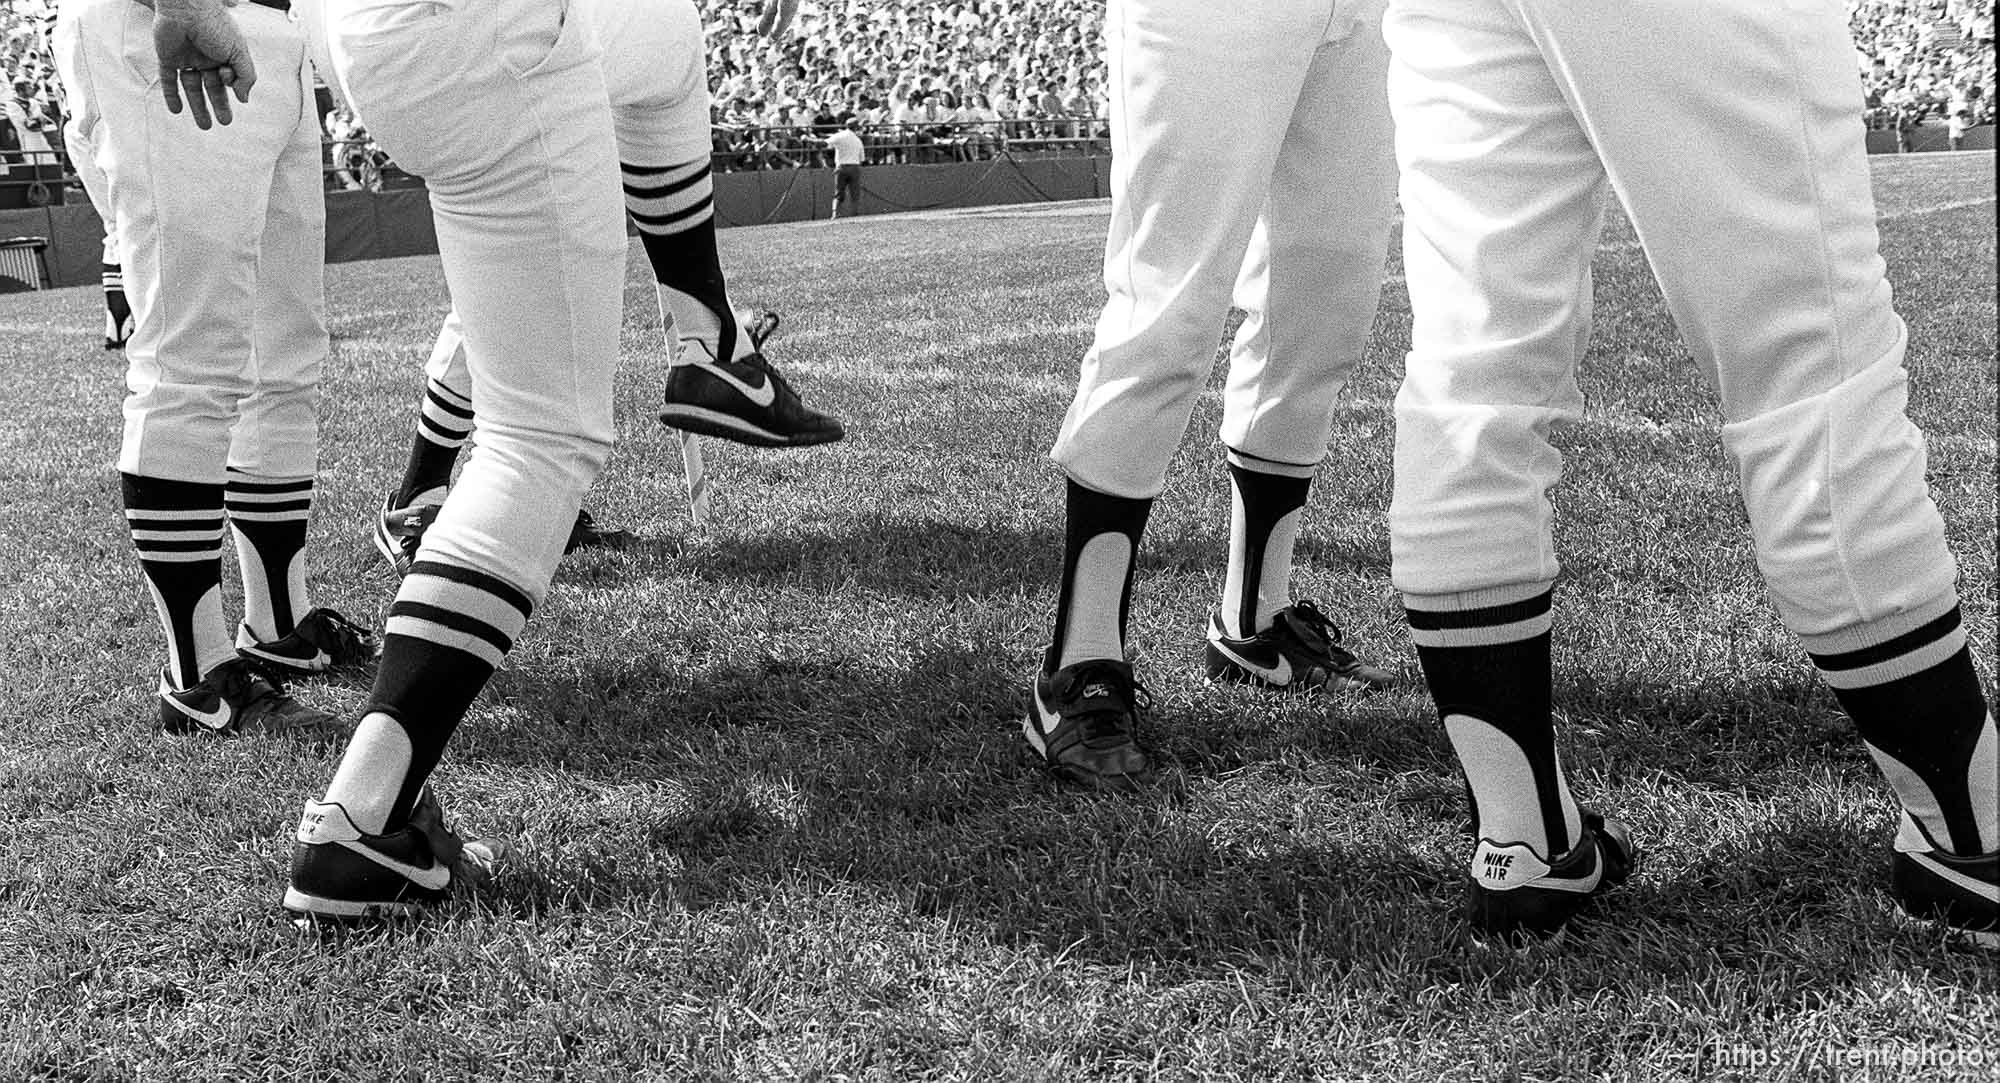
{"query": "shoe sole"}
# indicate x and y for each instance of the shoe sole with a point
(1076, 775)
(320, 908)
(705, 422)
(1223, 668)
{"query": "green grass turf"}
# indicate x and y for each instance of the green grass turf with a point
(775, 814)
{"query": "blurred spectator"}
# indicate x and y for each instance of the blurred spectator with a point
(349, 148)
(1923, 61)
(1028, 69)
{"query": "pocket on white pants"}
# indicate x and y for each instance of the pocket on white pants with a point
(371, 21)
(538, 35)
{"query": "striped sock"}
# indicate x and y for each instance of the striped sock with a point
(1267, 499)
(268, 516)
(448, 629)
(444, 424)
(674, 208)
(117, 311)
(1909, 685)
(1486, 657)
(177, 528)
(1100, 537)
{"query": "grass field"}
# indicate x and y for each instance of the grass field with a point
(775, 815)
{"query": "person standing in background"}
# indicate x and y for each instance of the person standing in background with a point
(228, 334)
(1729, 136)
(848, 154)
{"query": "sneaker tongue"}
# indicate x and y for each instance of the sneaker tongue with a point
(1502, 867)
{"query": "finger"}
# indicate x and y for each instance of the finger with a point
(246, 74)
(217, 93)
(170, 88)
(190, 80)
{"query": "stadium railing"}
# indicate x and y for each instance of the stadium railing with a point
(750, 147)
(33, 178)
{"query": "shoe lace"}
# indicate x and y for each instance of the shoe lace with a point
(761, 328)
(243, 686)
(335, 634)
(1309, 617)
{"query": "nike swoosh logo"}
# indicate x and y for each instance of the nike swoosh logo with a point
(215, 720)
(1046, 719)
(1280, 674)
(435, 878)
(762, 395)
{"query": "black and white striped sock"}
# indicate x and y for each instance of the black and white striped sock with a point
(1268, 500)
(448, 629)
(1101, 535)
(1486, 657)
(117, 311)
(1909, 685)
(674, 208)
(177, 528)
(444, 424)
(269, 517)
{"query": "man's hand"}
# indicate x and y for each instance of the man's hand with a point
(203, 56)
(777, 17)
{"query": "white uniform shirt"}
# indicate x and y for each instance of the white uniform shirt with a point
(846, 147)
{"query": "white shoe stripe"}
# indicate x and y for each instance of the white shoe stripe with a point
(1976, 888)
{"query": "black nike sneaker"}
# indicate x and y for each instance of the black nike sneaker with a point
(233, 698)
(1084, 721)
(744, 400)
(342, 874)
(1301, 649)
(399, 532)
(1516, 894)
(1959, 894)
(321, 640)
(587, 534)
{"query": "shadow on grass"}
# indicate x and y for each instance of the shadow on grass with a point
(938, 558)
(909, 776)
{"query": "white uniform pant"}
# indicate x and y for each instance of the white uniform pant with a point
(500, 106)
(95, 185)
(656, 76)
(222, 236)
(1229, 118)
(1731, 135)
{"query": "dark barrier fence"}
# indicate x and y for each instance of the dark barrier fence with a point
(395, 220)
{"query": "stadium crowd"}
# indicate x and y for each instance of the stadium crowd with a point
(932, 81)
(1925, 61)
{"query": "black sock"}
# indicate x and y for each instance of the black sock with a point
(269, 516)
(1489, 661)
(448, 629)
(1089, 515)
(1928, 721)
(674, 209)
(117, 311)
(1263, 497)
(177, 528)
(444, 424)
